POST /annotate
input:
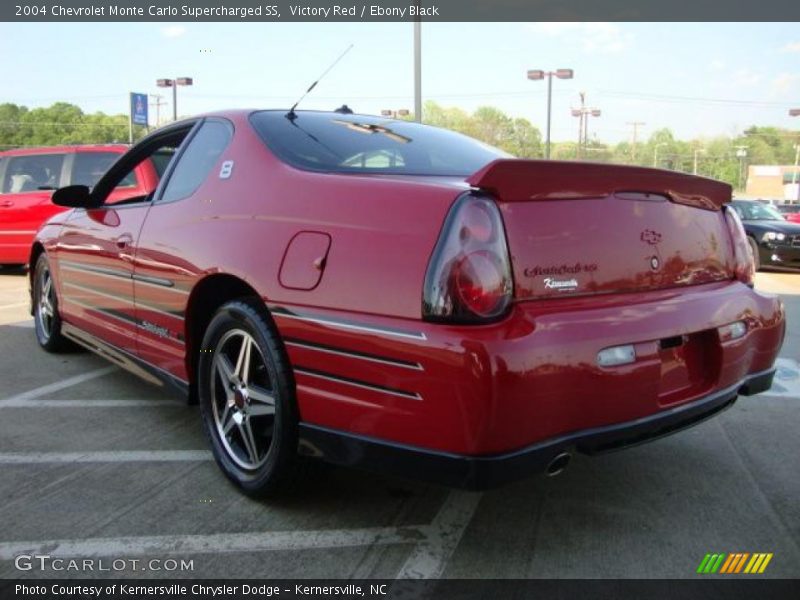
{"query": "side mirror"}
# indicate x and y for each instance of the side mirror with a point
(74, 196)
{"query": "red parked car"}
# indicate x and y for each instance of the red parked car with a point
(385, 294)
(791, 212)
(28, 177)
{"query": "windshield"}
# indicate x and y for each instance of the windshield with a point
(755, 211)
(344, 143)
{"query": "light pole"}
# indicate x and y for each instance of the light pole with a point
(174, 83)
(655, 153)
(537, 75)
(741, 154)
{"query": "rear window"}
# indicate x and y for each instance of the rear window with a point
(340, 143)
(89, 167)
(32, 172)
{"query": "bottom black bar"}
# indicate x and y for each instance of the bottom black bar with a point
(734, 587)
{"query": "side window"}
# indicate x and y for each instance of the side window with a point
(160, 159)
(32, 173)
(197, 160)
(89, 167)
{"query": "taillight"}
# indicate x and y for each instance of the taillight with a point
(469, 276)
(744, 266)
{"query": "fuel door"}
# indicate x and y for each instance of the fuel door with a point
(304, 260)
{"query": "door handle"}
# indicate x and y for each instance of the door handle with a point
(124, 241)
(6, 203)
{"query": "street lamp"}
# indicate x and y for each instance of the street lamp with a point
(741, 154)
(537, 75)
(174, 83)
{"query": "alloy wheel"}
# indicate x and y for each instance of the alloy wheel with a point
(243, 399)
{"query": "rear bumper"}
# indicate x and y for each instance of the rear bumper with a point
(534, 377)
(485, 472)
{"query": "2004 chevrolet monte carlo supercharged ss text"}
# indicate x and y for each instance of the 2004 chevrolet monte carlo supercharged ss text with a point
(389, 295)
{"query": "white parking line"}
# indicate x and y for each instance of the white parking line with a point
(59, 385)
(86, 403)
(17, 305)
(214, 543)
(787, 379)
(117, 456)
(429, 558)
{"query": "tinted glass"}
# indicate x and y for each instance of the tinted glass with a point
(32, 173)
(89, 167)
(755, 211)
(341, 143)
(198, 159)
(160, 159)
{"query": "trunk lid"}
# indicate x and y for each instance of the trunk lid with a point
(584, 228)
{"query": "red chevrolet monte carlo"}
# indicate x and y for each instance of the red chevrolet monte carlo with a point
(28, 177)
(384, 294)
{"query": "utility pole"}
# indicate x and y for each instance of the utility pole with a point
(583, 125)
(418, 66)
(694, 170)
(158, 104)
(794, 173)
(795, 112)
(635, 125)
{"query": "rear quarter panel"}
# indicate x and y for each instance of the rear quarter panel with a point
(382, 232)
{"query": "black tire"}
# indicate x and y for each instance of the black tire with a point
(46, 318)
(263, 464)
(756, 257)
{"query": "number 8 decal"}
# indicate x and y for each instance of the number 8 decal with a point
(225, 169)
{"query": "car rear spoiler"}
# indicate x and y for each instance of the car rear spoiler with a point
(514, 180)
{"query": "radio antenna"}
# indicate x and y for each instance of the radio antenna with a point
(291, 115)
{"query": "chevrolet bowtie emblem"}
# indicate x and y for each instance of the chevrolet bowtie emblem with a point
(651, 237)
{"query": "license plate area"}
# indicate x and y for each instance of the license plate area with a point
(689, 366)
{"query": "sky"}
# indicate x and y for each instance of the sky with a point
(698, 79)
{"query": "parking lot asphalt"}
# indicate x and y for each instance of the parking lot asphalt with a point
(97, 464)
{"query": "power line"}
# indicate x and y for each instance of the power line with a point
(691, 99)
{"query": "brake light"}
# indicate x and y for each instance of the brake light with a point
(744, 267)
(469, 276)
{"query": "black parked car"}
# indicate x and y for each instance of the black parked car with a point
(774, 240)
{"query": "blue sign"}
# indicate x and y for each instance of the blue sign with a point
(138, 109)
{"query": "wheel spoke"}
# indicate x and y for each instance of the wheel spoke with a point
(227, 420)
(259, 394)
(224, 369)
(249, 442)
(243, 362)
(260, 410)
(47, 286)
